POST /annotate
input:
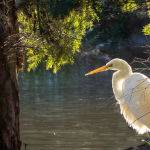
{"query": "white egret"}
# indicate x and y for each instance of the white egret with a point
(132, 92)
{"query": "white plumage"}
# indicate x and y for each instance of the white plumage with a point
(132, 92)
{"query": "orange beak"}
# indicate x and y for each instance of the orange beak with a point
(103, 68)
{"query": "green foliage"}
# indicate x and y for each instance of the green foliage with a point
(54, 29)
(54, 41)
(120, 18)
(146, 29)
(113, 21)
(148, 8)
(129, 6)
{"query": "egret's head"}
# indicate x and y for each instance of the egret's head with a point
(114, 64)
(117, 64)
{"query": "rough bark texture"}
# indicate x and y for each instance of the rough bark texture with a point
(9, 99)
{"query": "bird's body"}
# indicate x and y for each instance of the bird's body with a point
(132, 92)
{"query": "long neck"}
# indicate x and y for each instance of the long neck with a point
(117, 81)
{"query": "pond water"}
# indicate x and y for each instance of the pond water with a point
(69, 111)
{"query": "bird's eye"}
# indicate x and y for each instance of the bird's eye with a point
(111, 65)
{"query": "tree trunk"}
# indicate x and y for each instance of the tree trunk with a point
(9, 98)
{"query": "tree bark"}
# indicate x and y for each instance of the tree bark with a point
(9, 98)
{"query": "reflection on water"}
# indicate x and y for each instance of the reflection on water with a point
(69, 111)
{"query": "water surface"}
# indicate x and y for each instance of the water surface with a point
(69, 111)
